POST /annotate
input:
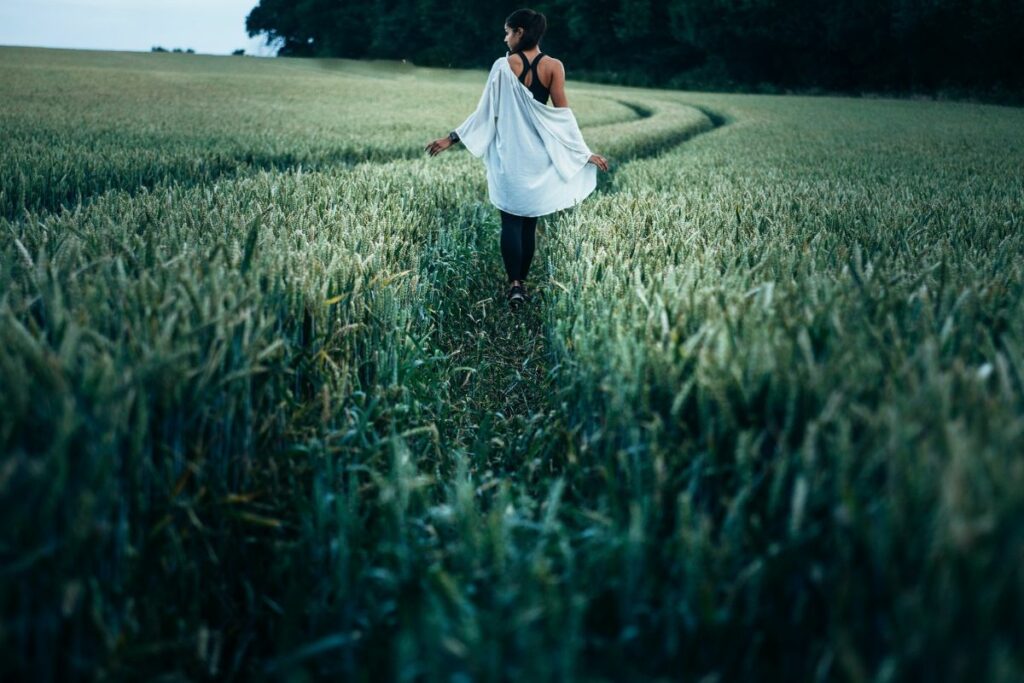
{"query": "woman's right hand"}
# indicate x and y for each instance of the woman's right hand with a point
(437, 146)
(599, 161)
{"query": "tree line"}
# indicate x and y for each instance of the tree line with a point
(840, 45)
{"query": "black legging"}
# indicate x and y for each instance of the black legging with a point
(518, 241)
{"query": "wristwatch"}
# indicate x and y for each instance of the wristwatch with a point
(453, 136)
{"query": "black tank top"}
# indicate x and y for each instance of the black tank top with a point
(540, 93)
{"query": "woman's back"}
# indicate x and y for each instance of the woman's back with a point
(534, 74)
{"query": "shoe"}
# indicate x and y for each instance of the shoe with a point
(516, 295)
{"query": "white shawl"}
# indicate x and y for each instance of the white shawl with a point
(535, 155)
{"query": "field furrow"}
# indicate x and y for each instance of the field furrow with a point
(67, 145)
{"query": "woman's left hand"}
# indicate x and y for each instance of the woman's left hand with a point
(439, 145)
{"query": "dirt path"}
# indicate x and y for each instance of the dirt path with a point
(500, 361)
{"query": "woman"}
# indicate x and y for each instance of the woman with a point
(537, 162)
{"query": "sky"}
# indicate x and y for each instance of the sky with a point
(207, 26)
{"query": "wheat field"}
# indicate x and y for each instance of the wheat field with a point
(265, 413)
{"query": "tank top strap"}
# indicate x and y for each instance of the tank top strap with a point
(540, 92)
(538, 86)
(526, 66)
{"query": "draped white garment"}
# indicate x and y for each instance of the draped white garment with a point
(535, 155)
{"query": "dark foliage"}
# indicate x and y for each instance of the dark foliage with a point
(886, 45)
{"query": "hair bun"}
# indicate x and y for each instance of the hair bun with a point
(533, 23)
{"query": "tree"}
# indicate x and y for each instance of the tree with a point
(842, 44)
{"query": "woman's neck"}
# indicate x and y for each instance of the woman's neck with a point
(531, 53)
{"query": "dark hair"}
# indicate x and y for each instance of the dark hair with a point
(533, 24)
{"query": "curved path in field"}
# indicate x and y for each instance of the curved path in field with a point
(498, 362)
(190, 166)
(501, 359)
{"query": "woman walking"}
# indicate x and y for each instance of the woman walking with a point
(537, 162)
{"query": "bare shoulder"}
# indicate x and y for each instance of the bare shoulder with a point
(554, 75)
(554, 65)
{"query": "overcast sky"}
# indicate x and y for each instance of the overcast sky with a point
(207, 26)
